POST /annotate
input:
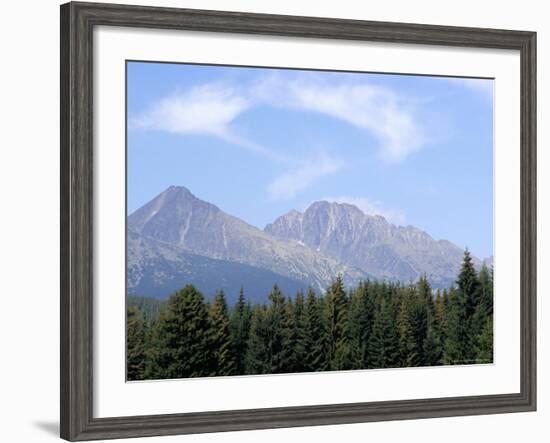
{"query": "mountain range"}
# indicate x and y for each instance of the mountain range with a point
(370, 243)
(178, 238)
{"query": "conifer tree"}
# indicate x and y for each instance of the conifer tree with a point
(460, 346)
(276, 321)
(483, 312)
(486, 291)
(154, 351)
(468, 285)
(485, 353)
(383, 348)
(361, 319)
(316, 335)
(336, 314)
(288, 359)
(455, 347)
(240, 331)
(258, 359)
(221, 341)
(428, 335)
(135, 342)
(408, 345)
(300, 337)
(182, 338)
(440, 311)
(375, 325)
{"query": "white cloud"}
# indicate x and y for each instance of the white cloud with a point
(209, 109)
(288, 184)
(377, 110)
(206, 109)
(371, 207)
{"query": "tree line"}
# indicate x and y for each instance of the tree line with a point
(374, 325)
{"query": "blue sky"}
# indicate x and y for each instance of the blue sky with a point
(258, 142)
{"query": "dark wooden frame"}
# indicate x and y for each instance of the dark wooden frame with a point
(77, 24)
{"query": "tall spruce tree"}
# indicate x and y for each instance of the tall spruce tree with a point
(384, 345)
(225, 362)
(300, 333)
(483, 315)
(182, 338)
(240, 330)
(276, 320)
(440, 311)
(406, 324)
(361, 316)
(288, 359)
(316, 335)
(336, 314)
(135, 342)
(460, 346)
(457, 343)
(258, 358)
(428, 332)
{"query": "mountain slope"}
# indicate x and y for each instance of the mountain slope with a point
(157, 269)
(179, 219)
(370, 243)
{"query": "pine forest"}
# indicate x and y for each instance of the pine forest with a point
(373, 325)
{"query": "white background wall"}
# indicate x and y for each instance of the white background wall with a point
(29, 187)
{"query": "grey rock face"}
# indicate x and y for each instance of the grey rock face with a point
(179, 219)
(157, 269)
(370, 243)
(177, 238)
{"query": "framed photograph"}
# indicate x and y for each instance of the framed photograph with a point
(272, 221)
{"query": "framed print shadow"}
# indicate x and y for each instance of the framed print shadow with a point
(273, 221)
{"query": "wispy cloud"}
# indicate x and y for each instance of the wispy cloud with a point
(288, 184)
(208, 109)
(374, 109)
(371, 207)
(212, 110)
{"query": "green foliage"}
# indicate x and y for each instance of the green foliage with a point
(407, 320)
(149, 307)
(384, 344)
(336, 314)
(316, 336)
(485, 354)
(221, 340)
(240, 331)
(375, 325)
(277, 334)
(182, 339)
(293, 330)
(299, 348)
(258, 351)
(135, 342)
(361, 319)
(469, 309)
(288, 357)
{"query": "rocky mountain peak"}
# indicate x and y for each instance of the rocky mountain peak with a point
(370, 242)
(170, 215)
(312, 246)
(178, 218)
